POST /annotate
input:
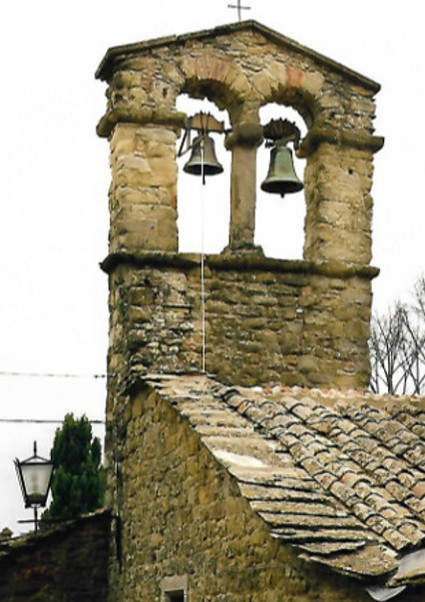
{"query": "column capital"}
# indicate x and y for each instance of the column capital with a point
(247, 133)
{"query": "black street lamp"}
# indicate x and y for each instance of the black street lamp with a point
(34, 475)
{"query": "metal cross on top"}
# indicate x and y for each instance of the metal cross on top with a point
(240, 8)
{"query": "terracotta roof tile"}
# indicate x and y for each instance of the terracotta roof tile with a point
(340, 475)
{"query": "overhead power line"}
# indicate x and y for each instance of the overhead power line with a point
(50, 374)
(41, 421)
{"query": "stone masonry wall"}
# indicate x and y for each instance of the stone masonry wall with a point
(143, 195)
(68, 563)
(339, 212)
(183, 515)
(267, 321)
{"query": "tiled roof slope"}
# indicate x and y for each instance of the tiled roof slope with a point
(341, 476)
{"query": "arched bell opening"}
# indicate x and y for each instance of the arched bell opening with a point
(279, 222)
(203, 204)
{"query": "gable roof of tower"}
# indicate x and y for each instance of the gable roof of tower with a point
(338, 475)
(117, 53)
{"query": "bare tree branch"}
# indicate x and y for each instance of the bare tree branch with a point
(397, 346)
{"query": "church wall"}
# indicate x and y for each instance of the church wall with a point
(182, 515)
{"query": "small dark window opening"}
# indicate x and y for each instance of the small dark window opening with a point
(175, 596)
(174, 588)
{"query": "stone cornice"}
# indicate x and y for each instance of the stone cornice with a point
(317, 136)
(175, 119)
(242, 260)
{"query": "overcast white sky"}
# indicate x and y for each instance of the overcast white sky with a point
(55, 177)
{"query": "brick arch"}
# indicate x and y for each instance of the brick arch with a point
(225, 83)
(220, 81)
(291, 86)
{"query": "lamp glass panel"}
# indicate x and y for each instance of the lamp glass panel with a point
(36, 479)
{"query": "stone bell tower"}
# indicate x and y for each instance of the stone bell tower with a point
(264, 321)
(267, 321)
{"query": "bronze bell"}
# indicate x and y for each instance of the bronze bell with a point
(203, 154)
(281, 178)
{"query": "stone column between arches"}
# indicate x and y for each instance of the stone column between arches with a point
(243, 142)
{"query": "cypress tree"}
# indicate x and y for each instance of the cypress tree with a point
(78, 479)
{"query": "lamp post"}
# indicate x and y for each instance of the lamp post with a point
(34, 475)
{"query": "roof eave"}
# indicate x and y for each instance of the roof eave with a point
(114, 53)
